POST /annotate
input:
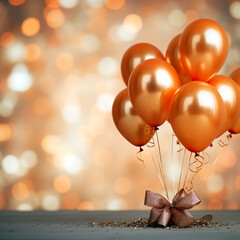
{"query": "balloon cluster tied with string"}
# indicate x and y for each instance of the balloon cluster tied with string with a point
(180, 88)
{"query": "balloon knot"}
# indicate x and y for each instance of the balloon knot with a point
(141, 149)
(156, 128)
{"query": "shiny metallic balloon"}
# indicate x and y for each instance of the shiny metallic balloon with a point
(203, 48)
(196, 115)
(135, 55)
(173, 57)
(235, 128)
(128, 123)
(230, 93)
(151, 87)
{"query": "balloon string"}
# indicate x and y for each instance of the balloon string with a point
(161, 164)
(187, 171)
(181, 173)
(151, 144)
(173, 176)
(222, 144)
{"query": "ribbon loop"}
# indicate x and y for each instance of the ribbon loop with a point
(163, 212)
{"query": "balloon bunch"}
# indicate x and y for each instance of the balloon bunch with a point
(182, 88)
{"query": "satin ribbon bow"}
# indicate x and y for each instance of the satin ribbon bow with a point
(162, 211)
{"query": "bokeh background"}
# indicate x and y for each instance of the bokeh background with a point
(59, 74)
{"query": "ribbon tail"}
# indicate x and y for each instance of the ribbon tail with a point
(154, 215)
(164, 217)
(182, 218)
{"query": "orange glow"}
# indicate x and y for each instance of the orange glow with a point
(20, 191)
(228, 159)
(70, 201)
(86, 205)
(227, 192)
(232, 206)
(41, 106)
(32, 52)
(132, 23)
(55, 18)
(16, 2)
(2, 201)
(190, 16)
(52, 3)
(237, 182)
(30, 26)
(64, 61)
(122, 185)
(62, 183)
(114, 5)
(215, 204)
(49, 143)
(7, 39)
(5, 132)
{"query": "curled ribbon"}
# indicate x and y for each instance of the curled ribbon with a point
(163, 212)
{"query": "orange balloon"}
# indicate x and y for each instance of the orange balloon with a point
(235, 128)
(230, 93)
(203, 48)
(128, 123)
(196, 115)
(173, 57)
(151, 87)
(135, 55)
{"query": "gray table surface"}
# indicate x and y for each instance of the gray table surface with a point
(75, 225)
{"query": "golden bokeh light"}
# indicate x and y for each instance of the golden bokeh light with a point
(55, 18)
(86, 205)
(32, 52)
(21, 190)
(7, 39)
(50, 143)
(62, 183)
(133, 23)
(52, 3)
(122, 185)
(16, 2)
(64, 61)
(190, 16)
(5, 132)
(30, 26)
(114, 5)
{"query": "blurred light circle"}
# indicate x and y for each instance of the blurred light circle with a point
(68, 3)
(16, 2)
(7, 39)
(55, 18)
(10, 164)
(116, 204)
(50, 143)
(95, 3)
(86, 205)
(114, 5)
(190, 16)
(90, 43)
(132, 23)
(30, 26)
(71, 113)
(62, 183)
(107, 66)
(235, 10)
(70, 201)
(64, 61)
(32, 52)
(5, 132)
(24, 207)
(20, 191)
(124, 35)
(7, 104)
(105, 101)
(215, 183)
(176, 18)
(50, 202)
(52, 3)
(72, 164)
(28, 159)
(20, 80)
(15, 52)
